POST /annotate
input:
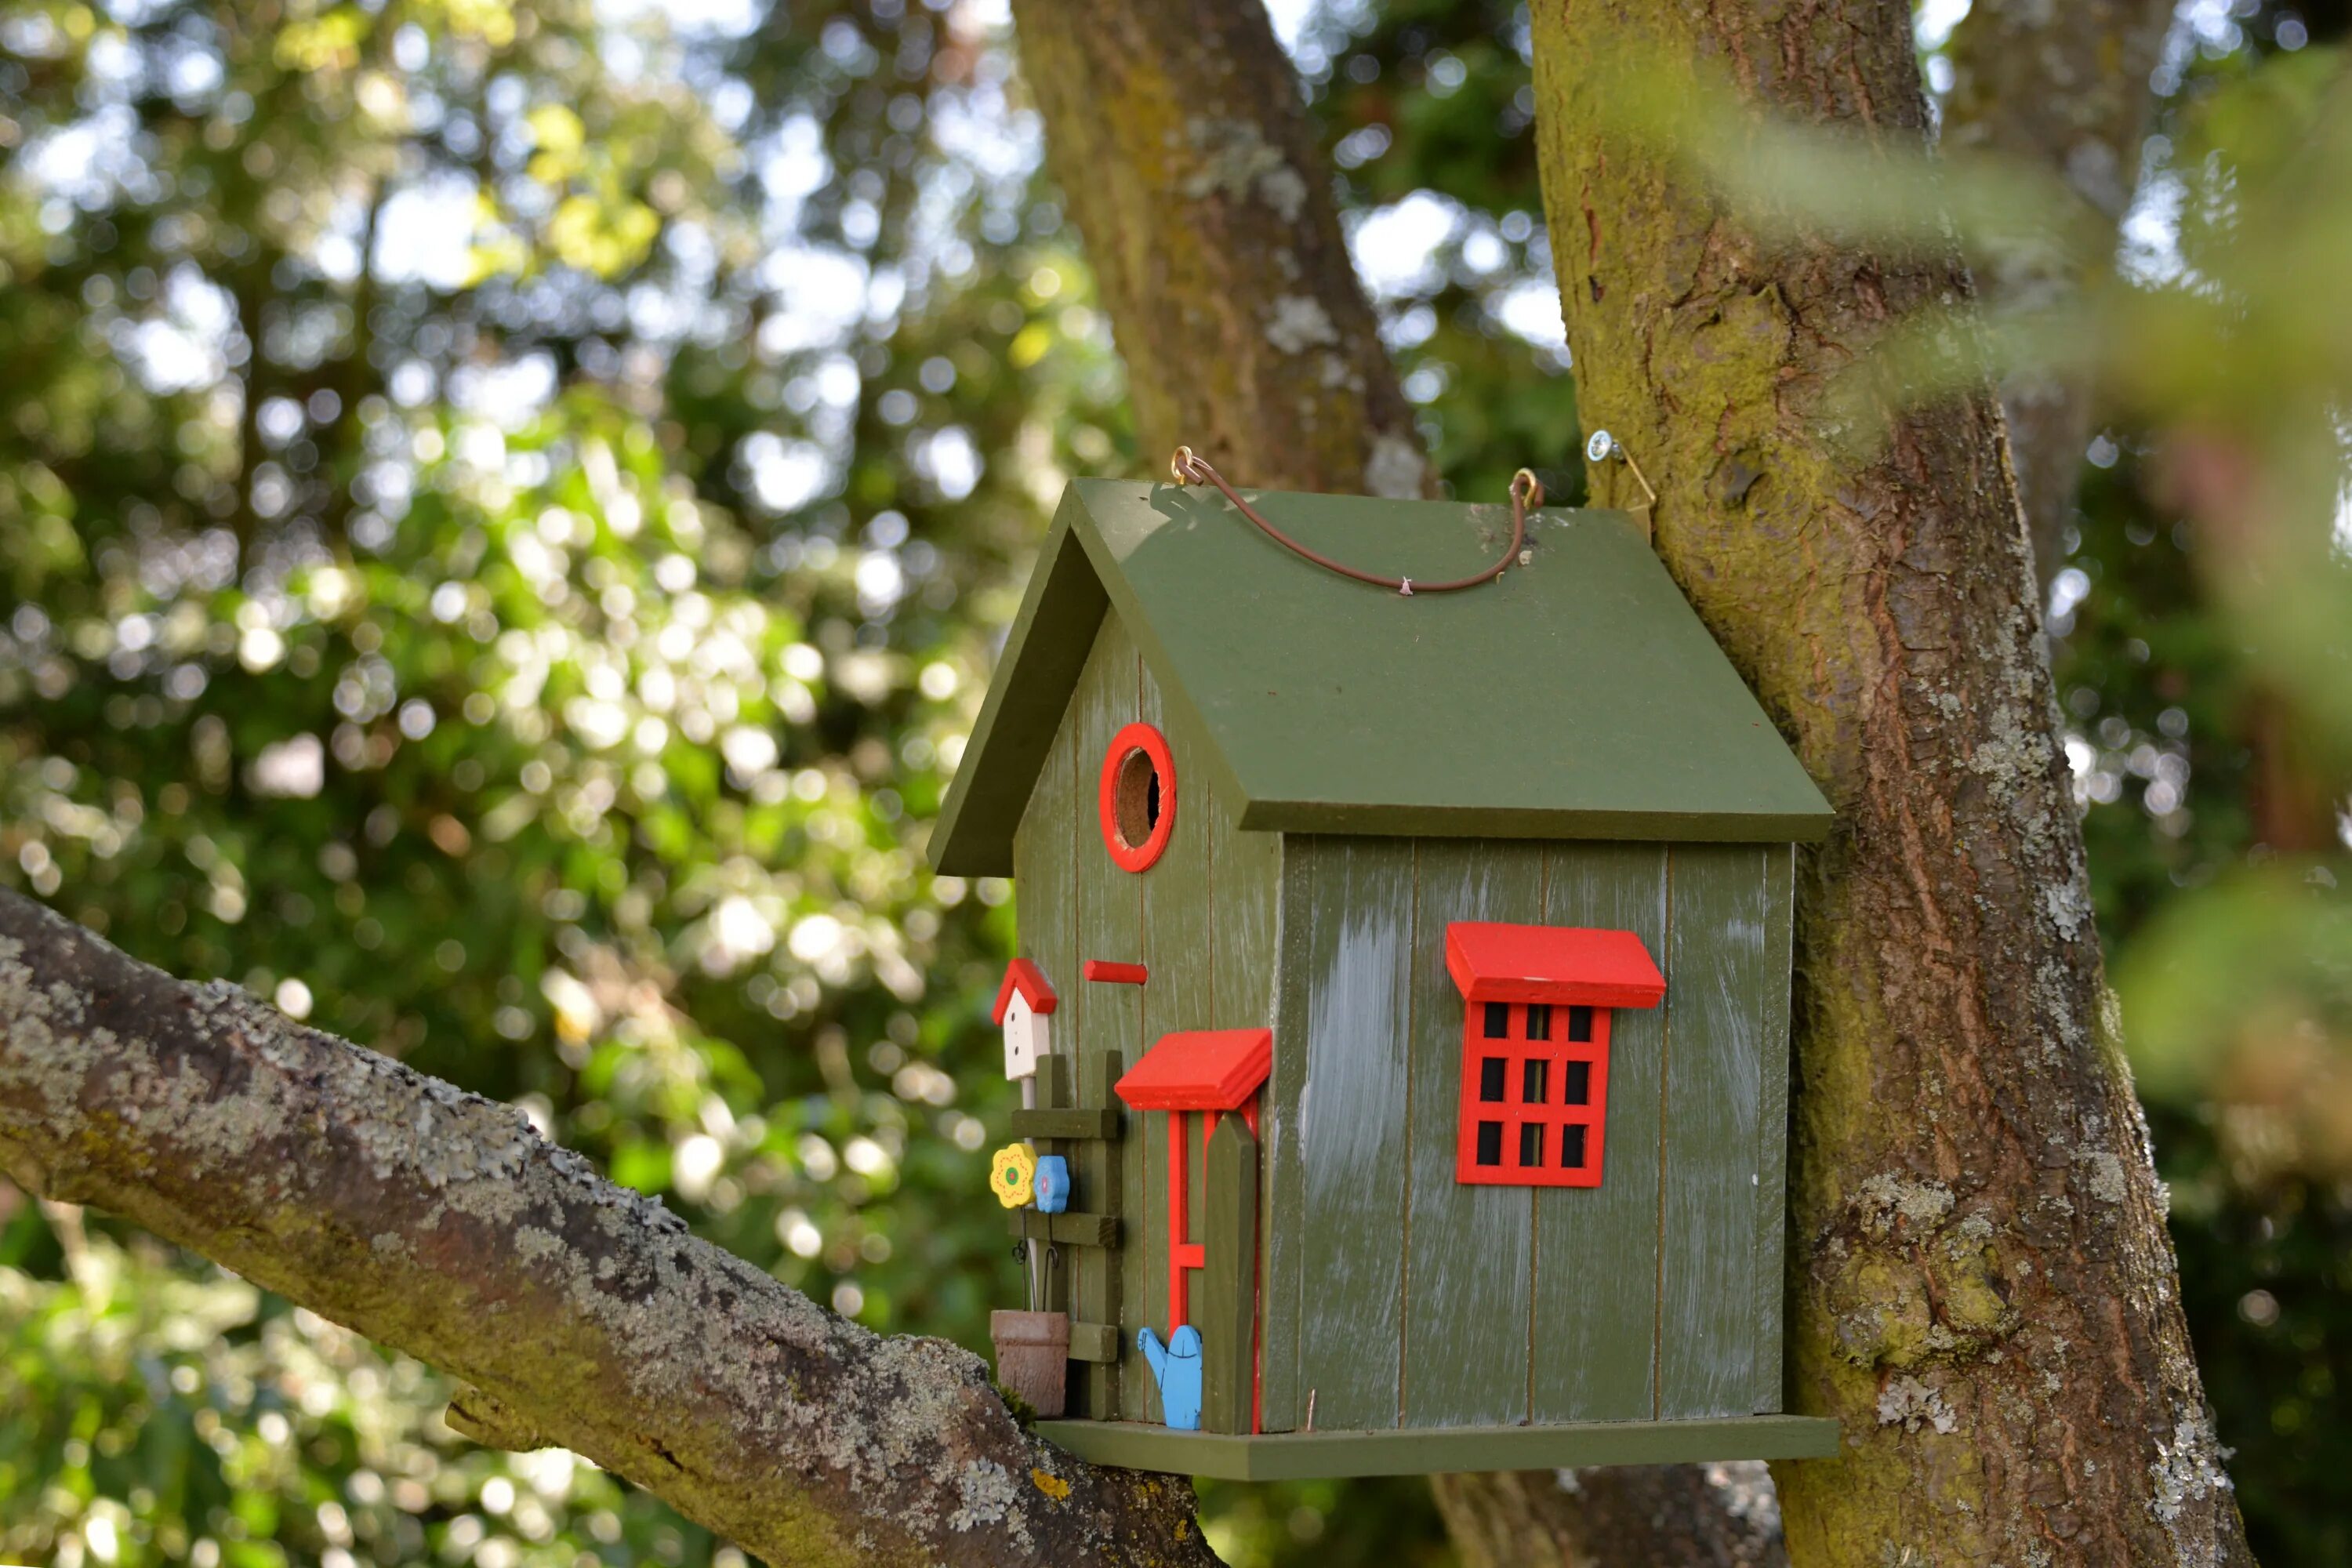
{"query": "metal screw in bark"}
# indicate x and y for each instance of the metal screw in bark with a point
(1601, 448)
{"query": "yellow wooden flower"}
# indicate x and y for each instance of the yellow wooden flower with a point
(1013, 1175)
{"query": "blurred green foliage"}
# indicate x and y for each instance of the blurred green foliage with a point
(504, 514)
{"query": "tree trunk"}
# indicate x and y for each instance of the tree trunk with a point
(2063, 87)
(438, 1223)
(1983, 1291)
(1177, 133)
(1636, 1516)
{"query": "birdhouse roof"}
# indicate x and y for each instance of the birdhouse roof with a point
(1496, 962)
(1199, 1069)
(1577, 697)
(1025, 980)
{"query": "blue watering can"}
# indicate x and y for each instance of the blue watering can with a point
(1176, 1366)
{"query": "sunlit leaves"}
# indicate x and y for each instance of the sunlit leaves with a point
(2244, 995)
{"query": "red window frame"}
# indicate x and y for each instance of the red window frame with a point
(1521, 1126)
(1538, 1004)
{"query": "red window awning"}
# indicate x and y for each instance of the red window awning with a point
(1495, 962)
(1026, 978)
(1200, 1069)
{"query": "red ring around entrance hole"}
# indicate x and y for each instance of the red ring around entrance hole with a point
(1147, 739)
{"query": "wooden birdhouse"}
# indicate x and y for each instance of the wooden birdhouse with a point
(1421, 1060)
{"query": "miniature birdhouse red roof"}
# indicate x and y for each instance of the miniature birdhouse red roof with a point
(1029, 981)
(1200, 1069)
(1496, 962)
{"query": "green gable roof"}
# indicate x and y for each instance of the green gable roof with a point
(1578, 697)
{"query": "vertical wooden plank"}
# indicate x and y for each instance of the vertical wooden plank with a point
(1044, 871)
(1469, 1255)
(1108, 924)
(1227, 1313)
(1181, 991)
(1244, 881)
(1054, 1092)
(1596, 1295)
(1717, 981)
(1772, 1123)
(1043, 868)
(1351, 1122)
(1285, 1244)
(1101, 1188)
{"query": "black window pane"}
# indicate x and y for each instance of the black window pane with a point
(1571, 1147)
(1576, 1083)
(1540, 1020)
(1534, 1082)
(1490, 1079)
(1490, 1142)
(1499, 1020)
(1579, 1023)
(1531, 1142)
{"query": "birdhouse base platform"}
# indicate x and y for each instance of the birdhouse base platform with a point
(1303, 1456)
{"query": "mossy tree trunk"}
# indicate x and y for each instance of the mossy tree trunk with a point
(2063, 89)
(1631, 1516)
(1983, 1290)
(1177, 133)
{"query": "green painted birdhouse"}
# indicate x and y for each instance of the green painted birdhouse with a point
(1418, 977)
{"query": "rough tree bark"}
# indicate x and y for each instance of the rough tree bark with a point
(2063, 87)
(1636, 1516)
(1177, 133)
(1981, 1287)
(581, 1314)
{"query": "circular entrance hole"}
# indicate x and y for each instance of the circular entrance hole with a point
(1136, 798)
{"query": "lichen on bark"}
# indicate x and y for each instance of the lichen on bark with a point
(1981, 1287)
(1176, 132)
(581, 1313)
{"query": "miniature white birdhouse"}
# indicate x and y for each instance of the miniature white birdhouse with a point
(1021, 1003)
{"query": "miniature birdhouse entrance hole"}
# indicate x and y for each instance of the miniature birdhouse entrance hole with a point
(1402, 994)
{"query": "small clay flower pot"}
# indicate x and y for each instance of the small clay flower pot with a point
(1033, 1356)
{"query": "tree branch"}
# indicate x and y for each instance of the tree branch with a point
(1176, 132)
(1693, 1516)
(2064, 89)
(583, 1314)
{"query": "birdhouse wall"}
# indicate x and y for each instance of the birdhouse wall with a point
(1201, 920)
(1396, 1296)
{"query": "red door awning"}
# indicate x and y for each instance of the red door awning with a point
(1200, 1069)
(1496, 962)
